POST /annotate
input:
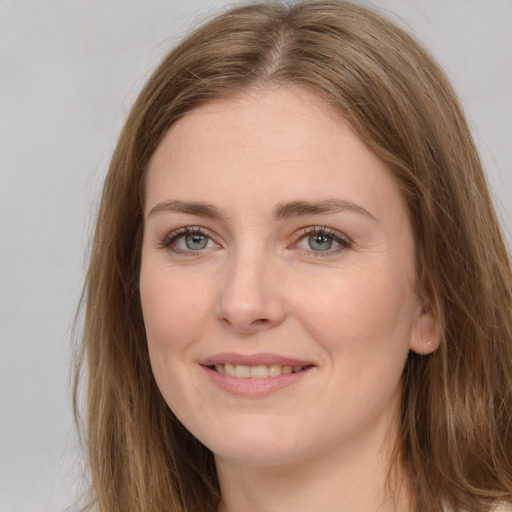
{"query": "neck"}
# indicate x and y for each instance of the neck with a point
(349, 479)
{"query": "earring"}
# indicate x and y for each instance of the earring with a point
(430, 343)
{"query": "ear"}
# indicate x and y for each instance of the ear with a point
(426, 334)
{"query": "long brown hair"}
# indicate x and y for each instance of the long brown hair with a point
(456, 430)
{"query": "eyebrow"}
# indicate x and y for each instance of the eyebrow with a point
(191, 207)
(329, 206)
(281, 211)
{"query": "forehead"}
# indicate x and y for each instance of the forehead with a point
(282, 119)
(275, 144)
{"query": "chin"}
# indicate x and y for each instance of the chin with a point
(258, 447)
(256, 455)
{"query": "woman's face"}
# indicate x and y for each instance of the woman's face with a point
(277, 281)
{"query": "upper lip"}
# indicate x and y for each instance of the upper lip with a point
(253, 360)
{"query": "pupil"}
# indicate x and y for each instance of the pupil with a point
(195, 242)
(320, 242)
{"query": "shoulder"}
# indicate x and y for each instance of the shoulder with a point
(502, 507)
(505, 507)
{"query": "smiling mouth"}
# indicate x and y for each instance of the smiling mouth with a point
(261, 371)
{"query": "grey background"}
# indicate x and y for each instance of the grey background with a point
(69, 71)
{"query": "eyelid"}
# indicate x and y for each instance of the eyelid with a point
(344, 241)
(311, 230)
(340, 238)
(171, 237)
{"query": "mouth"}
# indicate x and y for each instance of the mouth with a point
(255, 375)
(260, 371)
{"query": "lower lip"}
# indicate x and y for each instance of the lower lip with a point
(255, 388)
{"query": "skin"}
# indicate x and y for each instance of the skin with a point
(261, 285)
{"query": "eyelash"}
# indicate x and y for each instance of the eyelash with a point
(343, 241)
(175, 235)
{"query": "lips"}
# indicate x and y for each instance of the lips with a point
(254, 360)
(254, 375)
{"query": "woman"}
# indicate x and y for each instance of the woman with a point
(298, 297)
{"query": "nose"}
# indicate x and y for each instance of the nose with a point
(250, 297)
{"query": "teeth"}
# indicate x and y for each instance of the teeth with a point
(242, 371)
(261, 371)
(274, 370)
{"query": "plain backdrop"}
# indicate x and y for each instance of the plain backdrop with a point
(69, 71)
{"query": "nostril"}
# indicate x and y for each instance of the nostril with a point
(246, 326)
(225, 321)
(260, 321)
(249, 315)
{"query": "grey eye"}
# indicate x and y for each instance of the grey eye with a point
(320, 242)
(196, 242)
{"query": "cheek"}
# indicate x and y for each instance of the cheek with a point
(363, 314)
(173, 308)
(174, 317)
(175, 312)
